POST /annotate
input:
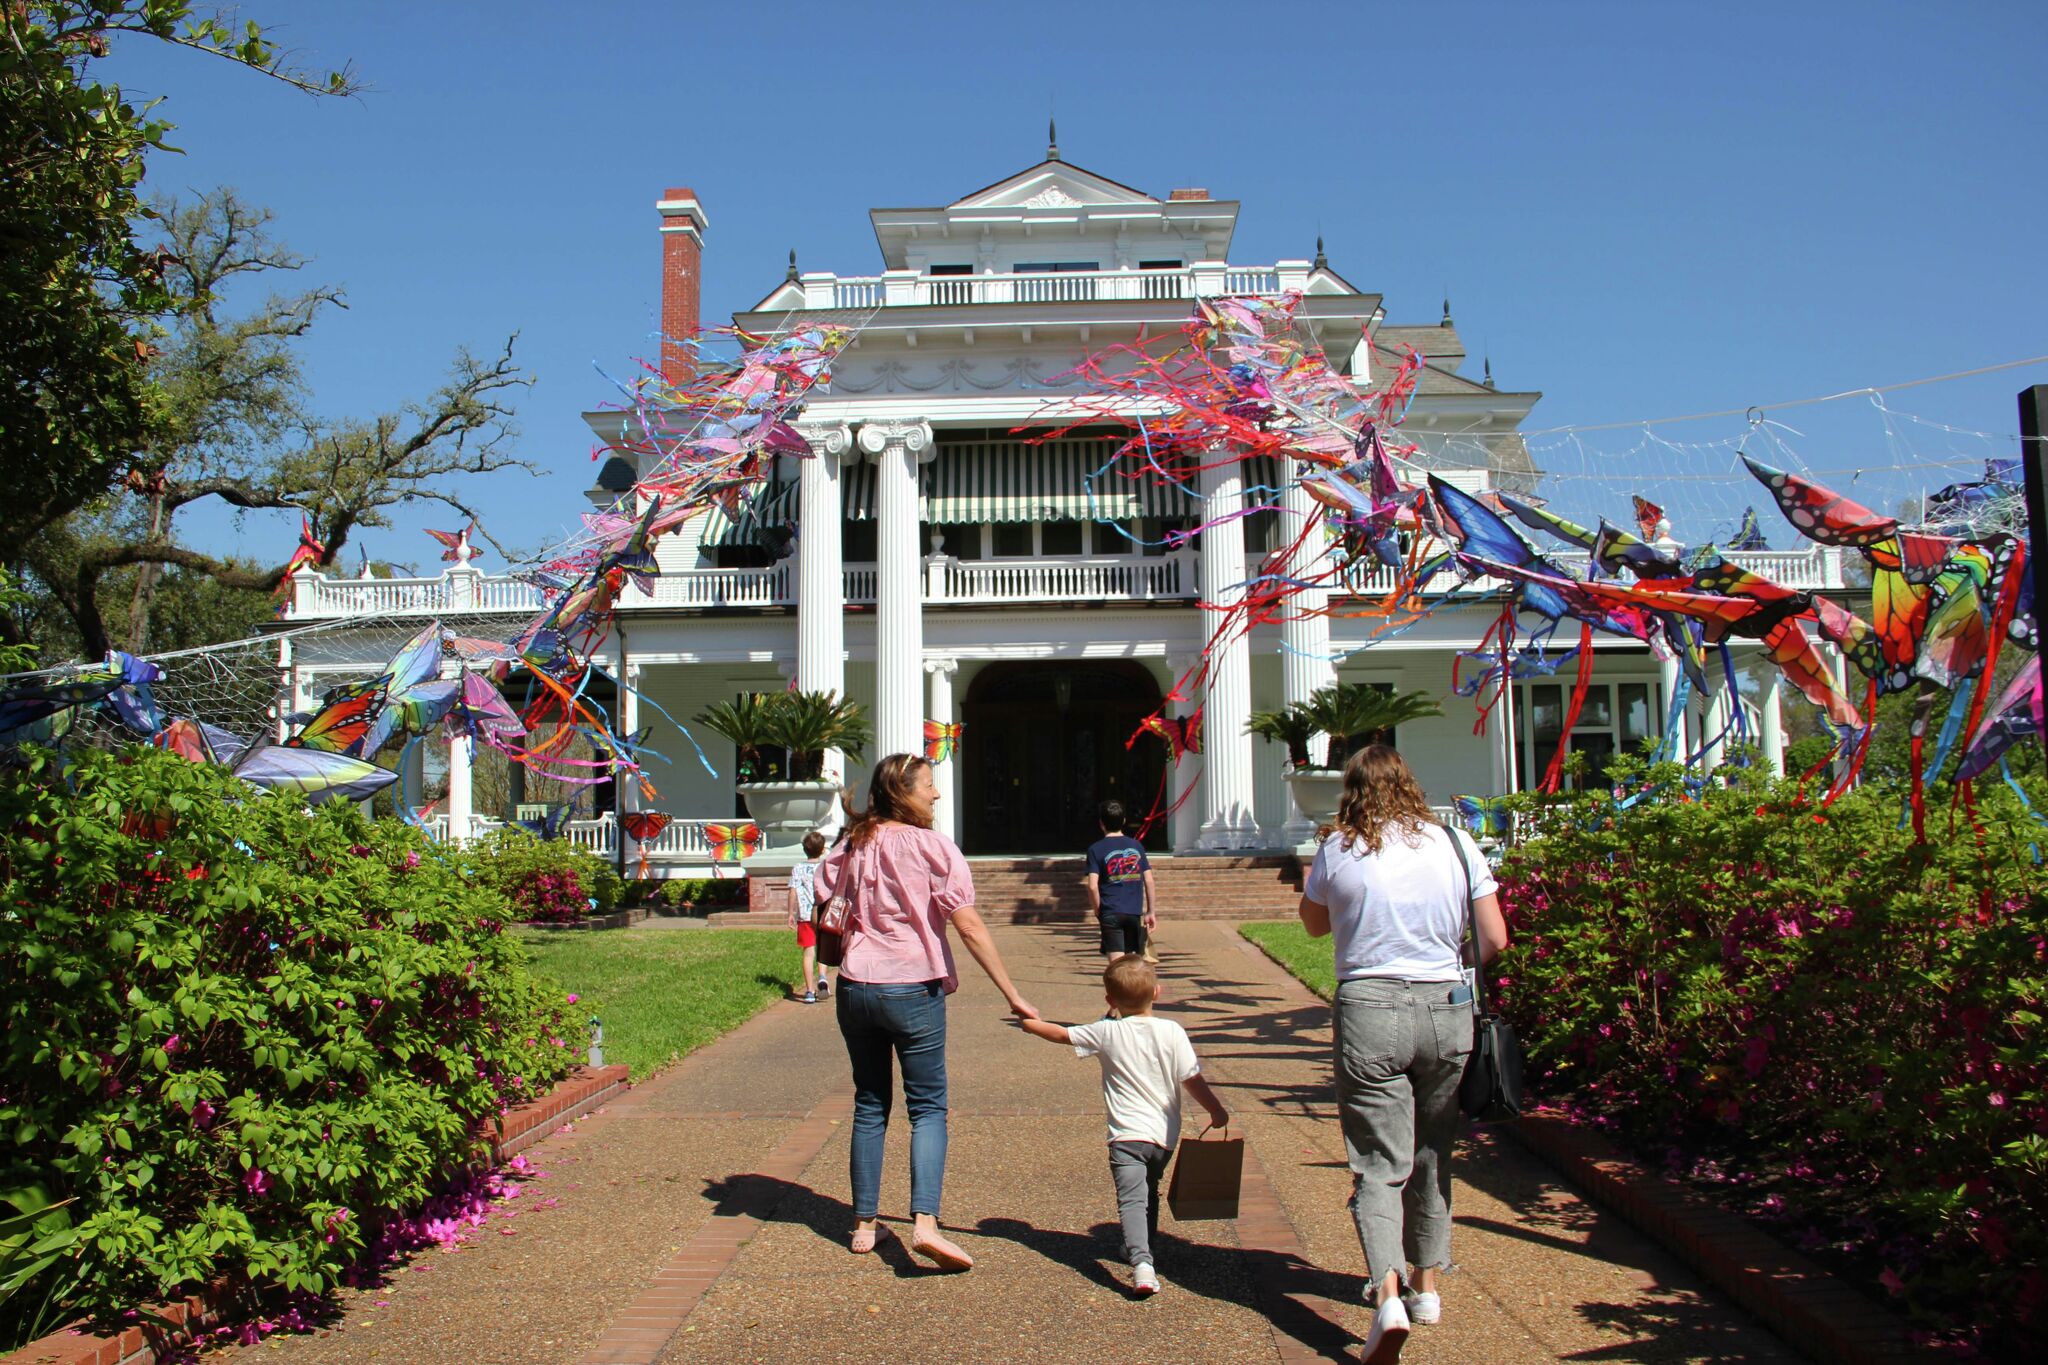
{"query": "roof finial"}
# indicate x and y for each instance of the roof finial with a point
(1052, 140)
(1322, 261)
(1489, 372)
(791, 273)
(1447, 310)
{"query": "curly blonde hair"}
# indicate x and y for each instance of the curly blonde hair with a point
(1381, 795)
(892, 795)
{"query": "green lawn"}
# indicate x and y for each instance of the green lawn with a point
(1310, 960)
(665, 992)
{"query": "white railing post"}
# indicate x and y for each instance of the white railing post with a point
(461, 582)
(818, 288)
(1208, 277)
(1292, 276)
(899, 287)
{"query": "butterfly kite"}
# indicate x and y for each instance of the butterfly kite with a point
(733, 843)
(941, 739)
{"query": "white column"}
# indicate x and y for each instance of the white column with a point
(1773, 724)
(1714, 721)
(629, 786)
(944, 774)
(1227, 819)
(821, 578)
(458, 790)
(1669, 672)
(1184, 829)
(1305, 663)
(898, 449)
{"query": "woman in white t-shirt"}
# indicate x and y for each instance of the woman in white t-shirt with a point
(1390, 884)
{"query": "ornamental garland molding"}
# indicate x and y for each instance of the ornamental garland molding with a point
(957, 375)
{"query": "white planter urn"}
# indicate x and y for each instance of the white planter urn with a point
(787, 811)
(1316, 793)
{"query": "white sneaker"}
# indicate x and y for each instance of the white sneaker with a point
(1389, 1334)
(1144, 1279)
(1424, 1310)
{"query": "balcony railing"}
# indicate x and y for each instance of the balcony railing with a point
(909, 288)
(947, 581)
(1818, 567)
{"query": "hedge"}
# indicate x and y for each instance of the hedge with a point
(239, 1036)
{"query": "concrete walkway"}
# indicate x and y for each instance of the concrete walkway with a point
(704, 1217)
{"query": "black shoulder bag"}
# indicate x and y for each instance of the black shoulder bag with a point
(1491, 1091)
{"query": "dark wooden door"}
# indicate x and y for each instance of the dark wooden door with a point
(1044, 747)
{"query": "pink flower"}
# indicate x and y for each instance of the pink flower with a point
(412, 860)
(573, 997)
(256, 1181)
(1891, 1281)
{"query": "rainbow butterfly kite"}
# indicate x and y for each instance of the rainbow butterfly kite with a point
(733, 843)
(942, 739)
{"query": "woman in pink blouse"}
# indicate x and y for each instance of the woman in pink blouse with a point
(905, 882)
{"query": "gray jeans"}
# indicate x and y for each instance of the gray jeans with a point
(1136, 1168)
(1401, 1049)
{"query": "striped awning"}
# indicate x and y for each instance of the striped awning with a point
(978, 482)
(773, 506)
(974, 483)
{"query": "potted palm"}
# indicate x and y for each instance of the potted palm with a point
(1349, 714)
(803, 725)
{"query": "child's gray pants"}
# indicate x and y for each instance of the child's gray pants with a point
(1136, 1168)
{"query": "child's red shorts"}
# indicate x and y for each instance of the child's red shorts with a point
(806, 934)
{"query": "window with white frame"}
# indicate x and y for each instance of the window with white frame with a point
(1617, 717)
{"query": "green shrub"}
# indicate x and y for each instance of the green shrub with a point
(237, 1033)
(1838, 1028)
(680, 892)
(548, 880)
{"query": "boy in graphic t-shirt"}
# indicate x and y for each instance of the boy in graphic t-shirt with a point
(1119, 885)
(1146, 1062)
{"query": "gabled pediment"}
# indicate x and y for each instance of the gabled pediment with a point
(1052, 184)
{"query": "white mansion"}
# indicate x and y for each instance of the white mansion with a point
(932, 562)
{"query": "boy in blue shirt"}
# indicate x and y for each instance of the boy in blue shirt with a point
(1120, 885)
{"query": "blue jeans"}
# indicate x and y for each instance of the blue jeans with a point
(898, 1021)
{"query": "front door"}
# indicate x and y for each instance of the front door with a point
(1044, 747)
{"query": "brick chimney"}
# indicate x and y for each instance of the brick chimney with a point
(682, 277)
(1183, 195)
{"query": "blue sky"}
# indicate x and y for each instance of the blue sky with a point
(1640, 209)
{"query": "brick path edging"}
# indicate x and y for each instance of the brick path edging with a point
(1811, 1309)
(515, 1130)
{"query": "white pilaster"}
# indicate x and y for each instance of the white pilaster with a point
(941, 672)
(821, 582)
(1305, 663)
(898, 448)
(1773, 723)
(1668, 675)
(1714, 723)
(1184, 829)
(459, 806)
(629, 786)
(1227, 818)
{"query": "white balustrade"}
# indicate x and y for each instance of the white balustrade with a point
(860, 583)
(1055, 286)
(1064, 580)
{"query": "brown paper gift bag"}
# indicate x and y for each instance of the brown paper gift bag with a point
(1207, 1174)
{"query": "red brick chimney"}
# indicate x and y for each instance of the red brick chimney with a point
(682, 277)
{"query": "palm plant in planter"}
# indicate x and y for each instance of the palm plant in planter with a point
(1293, 727)
(805, 724)
(746, 722)
(1359, 713)
(809, 723)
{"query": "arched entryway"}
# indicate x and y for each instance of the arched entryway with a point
(1044, 746)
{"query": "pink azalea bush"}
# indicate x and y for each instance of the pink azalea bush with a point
(546, 881)
(1836, 1028)
(243, 1039)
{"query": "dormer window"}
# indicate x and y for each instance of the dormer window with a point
(1161, 265)
(961, 269)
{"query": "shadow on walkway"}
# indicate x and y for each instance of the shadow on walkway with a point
(1265, 1282)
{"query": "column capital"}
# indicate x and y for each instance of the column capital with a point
(833, 440)
(944, 666)
(915, 437)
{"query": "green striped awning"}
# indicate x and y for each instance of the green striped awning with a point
(773, 506)
(977, 482)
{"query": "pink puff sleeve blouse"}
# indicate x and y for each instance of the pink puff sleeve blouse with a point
(904, 885)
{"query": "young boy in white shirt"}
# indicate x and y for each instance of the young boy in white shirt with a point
(1146, 1062)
